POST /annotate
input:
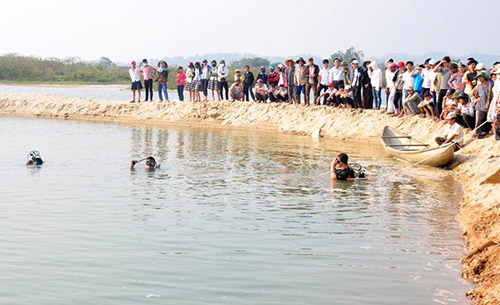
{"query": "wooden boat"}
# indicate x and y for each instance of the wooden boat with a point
(406, 148)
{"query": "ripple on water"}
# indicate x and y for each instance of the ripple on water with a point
(232, 217)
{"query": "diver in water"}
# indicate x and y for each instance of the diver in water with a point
(151, 164)
(34, 158)
(340, 169)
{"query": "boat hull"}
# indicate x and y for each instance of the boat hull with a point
(405, 148)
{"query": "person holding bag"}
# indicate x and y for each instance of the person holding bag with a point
(162, 79)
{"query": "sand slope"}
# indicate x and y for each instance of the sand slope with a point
(477, 165)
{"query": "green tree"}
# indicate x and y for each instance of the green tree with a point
(251, 62)
(104, 63)
(348, 55)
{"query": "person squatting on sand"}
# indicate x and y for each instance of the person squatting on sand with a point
(433, 89)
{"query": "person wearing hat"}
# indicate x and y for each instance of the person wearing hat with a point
(222, 73)
(162, 79)
(453, 132)
(282, 93)
(346, 74)
(248, 84)
(356, 83)
(236, 90)
(135, 77)
(465, 111)
(435, 83)
(450, 102)
(273, 77)
(280, 69)
(205, 75)
(347, 97)
(398, 86)
(481, 96)
(262, 75)
(261, 91)
(328, 96)
(312, 71)
(237, 74)
(289, 79)
(390, 90)
(412, 101)
(300, 79)
(376, 78)
(213, 83)
(323, 81)
(340, 169)
(427, 106)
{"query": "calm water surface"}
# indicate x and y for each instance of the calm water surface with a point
(232, 217)
(114, 92)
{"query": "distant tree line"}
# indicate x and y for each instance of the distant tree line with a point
(30, 69)
(17, 68)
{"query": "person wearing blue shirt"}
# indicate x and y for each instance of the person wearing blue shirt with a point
(417, 75)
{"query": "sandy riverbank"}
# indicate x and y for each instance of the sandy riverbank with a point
(477, 165)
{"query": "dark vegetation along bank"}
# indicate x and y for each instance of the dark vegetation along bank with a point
(31, 69)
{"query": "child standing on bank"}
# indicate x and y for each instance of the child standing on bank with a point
(181, 80)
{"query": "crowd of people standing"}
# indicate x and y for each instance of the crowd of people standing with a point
(432, 90)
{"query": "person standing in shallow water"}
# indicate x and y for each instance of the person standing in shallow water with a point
(135, 77)
(147, 73)
(340, 169)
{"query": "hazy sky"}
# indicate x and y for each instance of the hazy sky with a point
(129, 29)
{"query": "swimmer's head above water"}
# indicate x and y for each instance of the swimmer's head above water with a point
(34, 158)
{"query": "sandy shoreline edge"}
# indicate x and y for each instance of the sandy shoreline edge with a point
(477, 166)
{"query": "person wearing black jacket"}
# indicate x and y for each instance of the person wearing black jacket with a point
(312, 72)
(248, 84)
(356, 83)
(367, 87)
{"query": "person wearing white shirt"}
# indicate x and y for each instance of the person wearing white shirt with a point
(408, 79)
(375, 75)
(390, 89)
(135, 77)
(453, 132)
(427, 76)
(324, 80)
(205, 69)
(336, 76)
(223, 72)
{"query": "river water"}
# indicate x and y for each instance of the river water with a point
(232, 217)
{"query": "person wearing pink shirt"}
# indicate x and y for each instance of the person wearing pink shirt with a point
(181, 80)
(147, 74)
